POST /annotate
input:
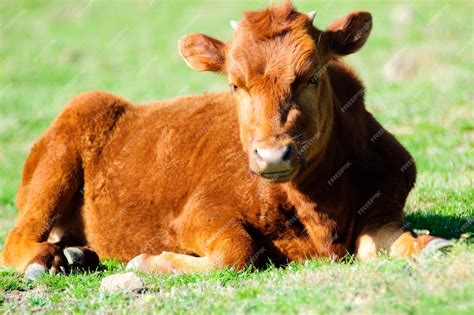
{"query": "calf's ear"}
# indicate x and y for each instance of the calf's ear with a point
(347, 35)
(202, 53)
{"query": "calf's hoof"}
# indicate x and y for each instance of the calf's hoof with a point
(52, 259)
(35, 270)
(135, 263)
(436, 245)
(82, 258)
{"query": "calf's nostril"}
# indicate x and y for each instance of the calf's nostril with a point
(255, 151)
(288, 154)
(283, 154)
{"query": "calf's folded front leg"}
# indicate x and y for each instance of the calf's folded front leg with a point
(229, 246)
(397, 242)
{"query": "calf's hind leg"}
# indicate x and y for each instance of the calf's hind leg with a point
(52, 176)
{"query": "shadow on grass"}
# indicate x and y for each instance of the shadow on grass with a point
(446, 226)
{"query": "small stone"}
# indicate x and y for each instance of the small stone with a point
(402, 14)
(122, 282)
(401, 66)
(465, 236)
(419, 232)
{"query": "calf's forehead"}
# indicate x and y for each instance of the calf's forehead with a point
(281, 58)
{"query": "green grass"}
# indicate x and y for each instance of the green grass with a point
(437, 284)
(52, 50)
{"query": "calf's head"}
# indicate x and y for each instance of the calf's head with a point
(276, 65)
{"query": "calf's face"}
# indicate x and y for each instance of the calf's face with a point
(276, 67)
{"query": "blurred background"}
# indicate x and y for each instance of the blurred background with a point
(417, 66)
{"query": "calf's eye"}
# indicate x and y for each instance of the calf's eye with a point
(233, 87)
(314, 79)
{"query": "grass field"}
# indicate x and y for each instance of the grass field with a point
(418, 69)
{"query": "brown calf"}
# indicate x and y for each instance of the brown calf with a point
(288, 165)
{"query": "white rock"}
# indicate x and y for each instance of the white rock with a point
(402, 14)
(401, 66)
(122, 282)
